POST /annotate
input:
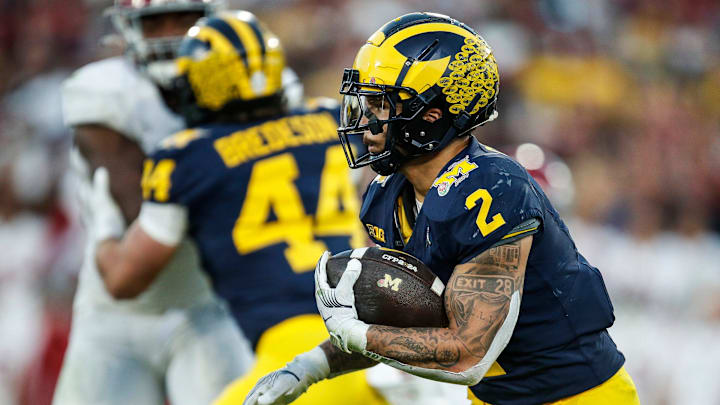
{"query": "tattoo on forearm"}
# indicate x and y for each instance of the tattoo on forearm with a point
(477, 301)
(420, 345)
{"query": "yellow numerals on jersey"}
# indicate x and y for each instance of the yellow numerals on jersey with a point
(156, 179)
(272, 187)
(485, 227)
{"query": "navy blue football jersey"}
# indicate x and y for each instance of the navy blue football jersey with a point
(264, 201)
(483, 198)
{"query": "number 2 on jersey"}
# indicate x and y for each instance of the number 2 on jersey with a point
(485, 227)
(271, 187)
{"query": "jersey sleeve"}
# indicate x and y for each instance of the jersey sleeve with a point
(492, 207)
(178, 173)
(166, 223)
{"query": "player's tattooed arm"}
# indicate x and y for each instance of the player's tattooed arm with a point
(477, 301)
(341, 362)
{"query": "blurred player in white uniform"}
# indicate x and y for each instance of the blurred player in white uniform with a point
(176, 342)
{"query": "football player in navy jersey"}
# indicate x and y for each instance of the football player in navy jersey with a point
(528, 314)
(261, 189)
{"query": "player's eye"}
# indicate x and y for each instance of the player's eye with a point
(375, 102)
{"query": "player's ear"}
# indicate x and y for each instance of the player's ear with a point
(432, 115)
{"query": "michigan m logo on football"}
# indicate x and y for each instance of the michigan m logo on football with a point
(389, 282)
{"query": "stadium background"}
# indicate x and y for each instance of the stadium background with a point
(626, 93)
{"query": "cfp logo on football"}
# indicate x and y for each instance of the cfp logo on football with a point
(400, 262)
(389, 282)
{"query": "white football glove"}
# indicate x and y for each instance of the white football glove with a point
(107, 220)
(337, 306)
(285, 385)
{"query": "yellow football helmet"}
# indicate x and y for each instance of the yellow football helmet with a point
(413, 63)
(229, 68)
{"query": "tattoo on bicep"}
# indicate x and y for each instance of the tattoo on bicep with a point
(420, 346)
(505, 257)
(479, 293)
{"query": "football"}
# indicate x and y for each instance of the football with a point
(394, 288)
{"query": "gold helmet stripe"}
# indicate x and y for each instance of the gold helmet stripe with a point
(219, 42)
(408, 32)
(251, 43)
(378, 37)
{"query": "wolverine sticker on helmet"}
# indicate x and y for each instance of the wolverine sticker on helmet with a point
(473, 77)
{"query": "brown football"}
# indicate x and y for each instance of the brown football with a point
(394, 288)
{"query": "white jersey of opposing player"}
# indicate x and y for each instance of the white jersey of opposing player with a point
(112, 93)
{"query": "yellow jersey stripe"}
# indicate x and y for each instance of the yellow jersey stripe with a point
(510, 235)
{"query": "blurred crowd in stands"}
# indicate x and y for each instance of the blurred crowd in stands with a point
(625, 92)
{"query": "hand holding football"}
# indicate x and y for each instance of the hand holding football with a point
(394, 288)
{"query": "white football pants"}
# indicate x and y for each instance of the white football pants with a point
(184, 356)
